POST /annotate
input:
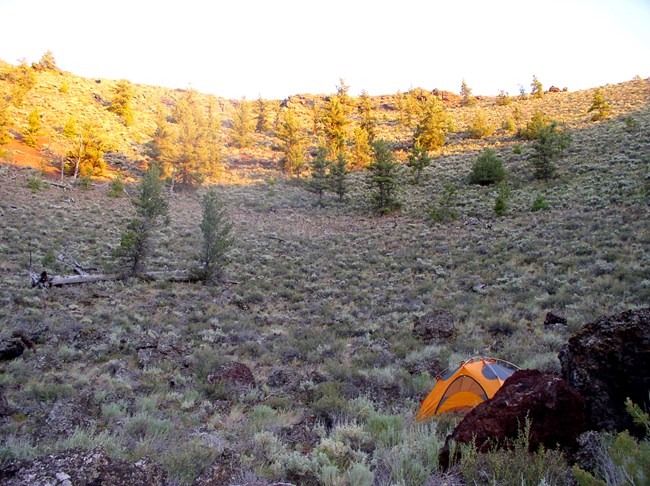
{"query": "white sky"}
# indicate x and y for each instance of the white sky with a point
(276, 48)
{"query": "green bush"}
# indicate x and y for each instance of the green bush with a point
(539, 204)
(445, 211)
(487, 169)
(535, 125)
(116, 188)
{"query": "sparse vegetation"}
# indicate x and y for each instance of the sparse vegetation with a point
(324, 300)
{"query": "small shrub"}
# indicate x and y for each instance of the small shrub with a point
(500, 206)
(34, 184)
(535, 125)
(480, 127)
(64, 88)
(600, 108)
(503, 98)
(539, 204)
(445, 211)
(487, 169)
(514, 467)
(116, 188)
(85, 183)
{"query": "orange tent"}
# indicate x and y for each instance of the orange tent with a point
(458, 391)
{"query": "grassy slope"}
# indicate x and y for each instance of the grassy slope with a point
(325, 294)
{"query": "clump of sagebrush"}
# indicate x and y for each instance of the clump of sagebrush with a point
(487, 169)
(516, 466)
(216, 230)
(620, 459)
(150, 207)
(547, 149)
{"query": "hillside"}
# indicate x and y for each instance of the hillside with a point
(323, 301)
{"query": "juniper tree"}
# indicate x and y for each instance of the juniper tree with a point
(318, 183)
(338, 176)
(419, 160)
(547, 149)
(216, 231)
(150, 207)
(383, 179)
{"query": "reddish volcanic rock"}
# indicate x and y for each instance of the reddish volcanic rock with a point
(555, 411)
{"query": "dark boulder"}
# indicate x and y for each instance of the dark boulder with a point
(234, 375)
(607, 361)
(554, 409)
(437, 325)
(76, 466)
(554, 319)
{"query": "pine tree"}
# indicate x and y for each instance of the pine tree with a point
(480, 127)
(599, 106)
(431, 131)
(33, 127)
(537, 90)
(338, 176)
(4, 121)
(367, 113)
(383, 179)
(547, 149)
(216, 230)
(319, 181)
(86, 154)
(214, 166)
(361, 153)
(466, 95)
(242, 125)
(335, 122)
(419, 160)
(150, 207)
(121, 101)
(189, 152)
(290, 133)
(262, 117)
(487, 169)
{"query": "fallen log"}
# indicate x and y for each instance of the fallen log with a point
(43, 279)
